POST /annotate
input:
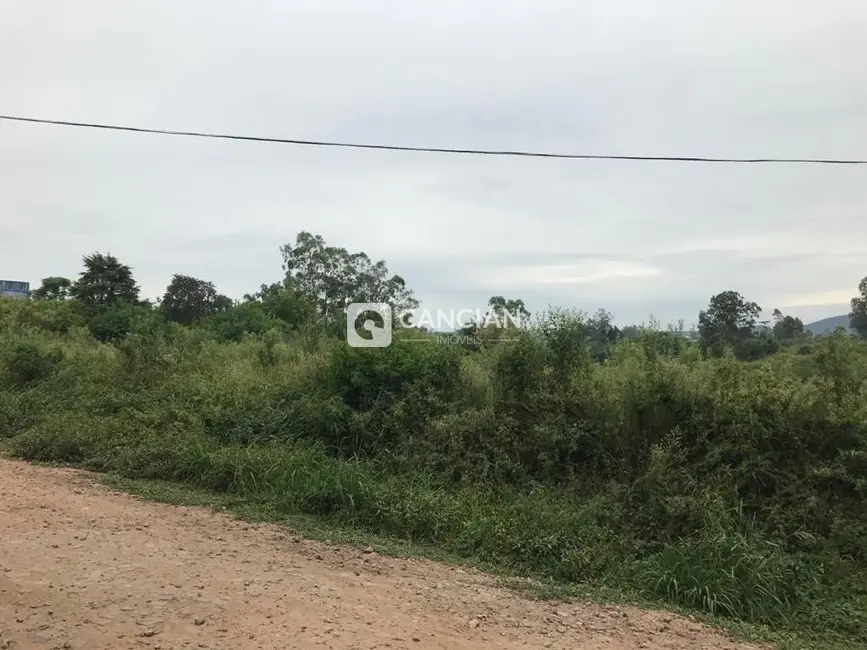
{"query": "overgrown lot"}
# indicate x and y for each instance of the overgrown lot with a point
(731, 487)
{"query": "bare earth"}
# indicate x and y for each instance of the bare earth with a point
(82, 566)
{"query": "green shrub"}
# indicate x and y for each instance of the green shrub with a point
(28, 363)
(731, 487)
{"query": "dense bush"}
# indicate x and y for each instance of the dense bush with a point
(733, 487)
(27, 363)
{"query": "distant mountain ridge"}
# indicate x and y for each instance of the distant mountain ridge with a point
(828, 325)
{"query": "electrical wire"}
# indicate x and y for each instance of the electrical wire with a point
(476, 152)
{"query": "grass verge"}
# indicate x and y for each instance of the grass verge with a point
(332, 532)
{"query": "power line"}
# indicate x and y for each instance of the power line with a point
(476, 152)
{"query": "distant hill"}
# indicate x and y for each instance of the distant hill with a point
(828, 325)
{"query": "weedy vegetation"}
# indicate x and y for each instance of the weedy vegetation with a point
(724, 474)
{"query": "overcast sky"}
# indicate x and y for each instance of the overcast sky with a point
(733, 78)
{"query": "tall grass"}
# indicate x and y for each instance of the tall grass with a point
(732, 488)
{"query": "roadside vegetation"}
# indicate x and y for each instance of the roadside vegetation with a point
(724, 472)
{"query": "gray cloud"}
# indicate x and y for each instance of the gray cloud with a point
(722, 78)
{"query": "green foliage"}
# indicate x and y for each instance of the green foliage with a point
(281, 300)
(726, 476)
(114, 322)
(55, 317)
(837, 366)
(332, 277)
(388, 391)
(105, 282)
(188, 300)
(729, 487)
(507, 313)
(858, 315)
(787, 327)
(730, 323)
(234, 324)
(756, 347)
(53, 288)
(565, 333)
(27, 363)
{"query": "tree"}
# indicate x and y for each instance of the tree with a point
(601, 333)
(858, 316)
(53, 288)
(565, 335)
(631, 332)
(506, 313)
(222, 303)
(187, 300)
(332, 277)
(502, 314)
(602, 324)
(786, 327)
(243, 319)
(111, 324)
(728, 320)
(282, 301)
(105, 282)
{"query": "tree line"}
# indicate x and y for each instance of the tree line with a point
(320, 280)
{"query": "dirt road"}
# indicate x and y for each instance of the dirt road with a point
(82, 566)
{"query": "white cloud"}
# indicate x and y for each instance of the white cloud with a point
(835, 298)
(586, 272)
(721, 78)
